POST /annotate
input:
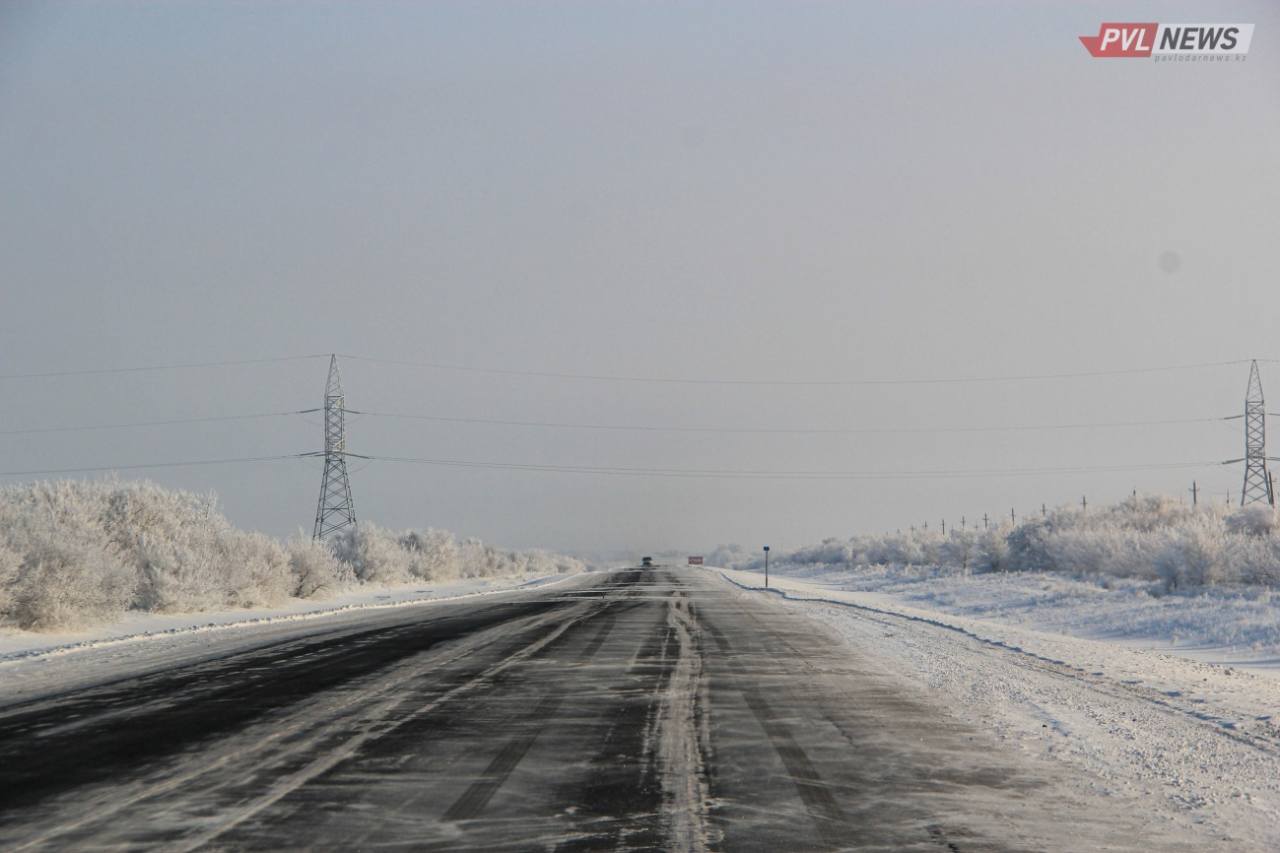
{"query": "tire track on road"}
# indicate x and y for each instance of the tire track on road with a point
(936, 831)
(478, 794)
(154, 717)
(824, 812)
(620, 805)
(348, 749)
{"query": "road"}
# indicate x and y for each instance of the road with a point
(655, 709)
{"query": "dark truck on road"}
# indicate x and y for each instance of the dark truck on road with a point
(646, 562)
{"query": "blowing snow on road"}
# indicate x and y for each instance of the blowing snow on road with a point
(633, 710)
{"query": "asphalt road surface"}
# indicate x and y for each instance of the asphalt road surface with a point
(654, 709)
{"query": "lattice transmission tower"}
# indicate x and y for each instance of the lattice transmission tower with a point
(335, 511)
(1257, 479)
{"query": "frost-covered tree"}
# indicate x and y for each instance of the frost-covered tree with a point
(315, 569)
(960, 549)
(1193, 555)
(374, 554)
(1254, 520)
(69, 570)
(433, 554)
(1144, 537)
(75, 552)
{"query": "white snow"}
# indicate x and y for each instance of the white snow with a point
(32, 663)
(1233, 625)
(1023, 655)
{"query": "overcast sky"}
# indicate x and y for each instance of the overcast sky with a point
(769, 191)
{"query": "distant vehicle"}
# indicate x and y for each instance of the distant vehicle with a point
(695, 561)
(646, 562)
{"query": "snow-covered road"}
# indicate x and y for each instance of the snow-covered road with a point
(1199, 744)
(658, 709)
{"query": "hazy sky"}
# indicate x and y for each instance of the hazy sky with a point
(765, 191)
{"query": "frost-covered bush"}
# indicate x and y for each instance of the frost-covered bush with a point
(257, 571)
(1030, 547)
(728, 556)
(176, 576)
(315, 570)
(10, 564)
(74, 553)
(188, 555)
(373, 553)
(1194, 555)
(68, 568)
(566, 565)
(830, 552)
(1253, 559)
(1145, 537)
(993, 552)
(1255, 520)
(433, 554)
(63, 583)
(377, 555)
(479, 560)
(960, 549)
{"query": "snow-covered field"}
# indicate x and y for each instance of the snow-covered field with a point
(1071, 671)
(1237, 626)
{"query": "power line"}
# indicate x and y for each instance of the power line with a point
(178, 464)
(696, 473)
(100, 371)
(547, 374)
(783, 475)
(784, 430)
(617, 427)
(166, 422)
(336, 453)
(935, 380)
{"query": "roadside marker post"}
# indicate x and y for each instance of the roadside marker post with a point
(766, 566)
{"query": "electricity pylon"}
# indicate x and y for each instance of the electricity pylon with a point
(1257, 480)
(335, 511)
